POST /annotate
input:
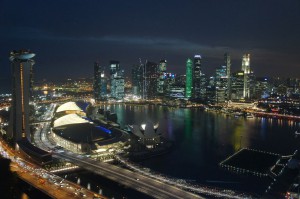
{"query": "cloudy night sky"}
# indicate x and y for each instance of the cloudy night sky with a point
(68, 36)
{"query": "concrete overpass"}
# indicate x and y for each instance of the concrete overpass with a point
(128, 178)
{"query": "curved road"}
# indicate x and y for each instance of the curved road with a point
(128, 178)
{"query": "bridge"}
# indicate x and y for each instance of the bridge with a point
(126, 177)
(51, 185)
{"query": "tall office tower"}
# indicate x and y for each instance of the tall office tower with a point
(117, 82)
(103, 86)
(169, 83)
(137, 79)
(227, 61)
(97, 81)
(203, 85)
(237, 87)
(118, 86)
(114, 67)
(189, 78)
(197, 77)
(150, 80)
(246, 69)
(263, 88)
(162, 68)
(221, 72)
(221, 84)
(246, 63)
(19, 119)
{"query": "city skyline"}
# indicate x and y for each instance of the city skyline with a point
(74, 37)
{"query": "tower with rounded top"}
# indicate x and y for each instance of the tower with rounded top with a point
(21, 63)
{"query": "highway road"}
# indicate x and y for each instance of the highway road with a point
(126, 177)
(50, 184)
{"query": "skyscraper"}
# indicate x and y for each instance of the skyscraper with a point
(150, 77)
(197, 77)
(246, 63)
(19, 119)
(246, 69)
(117, 82)
(97, 81)
(114, 67)
(237, 87)
(137, 79)
(189, 78)
(162, 68)
(227, 61)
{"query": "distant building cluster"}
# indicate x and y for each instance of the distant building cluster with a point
(153, 81)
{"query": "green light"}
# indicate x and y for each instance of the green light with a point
(189, 78)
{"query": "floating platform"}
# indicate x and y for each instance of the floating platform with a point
(250, 161)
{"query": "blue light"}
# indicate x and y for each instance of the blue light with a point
(104, 129)
(88, 119)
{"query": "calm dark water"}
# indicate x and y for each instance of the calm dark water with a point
(203, 139)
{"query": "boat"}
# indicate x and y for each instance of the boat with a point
(249, 115)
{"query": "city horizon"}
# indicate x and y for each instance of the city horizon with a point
(150, 99)
(267, 30)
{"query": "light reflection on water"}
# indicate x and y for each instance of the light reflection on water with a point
(203, 139)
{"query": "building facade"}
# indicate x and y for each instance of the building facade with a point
(150, 80)
(227, 61)
(162, 68)
(21, 63)
(97, 81)
(137, 79)
(246, 70)
(189, 78)
(237, 85)
(117, 82)
(197, 77)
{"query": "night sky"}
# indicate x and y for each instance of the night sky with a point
(68, 36)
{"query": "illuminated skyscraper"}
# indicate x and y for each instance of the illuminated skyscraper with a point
(114, 67)
(19, 119)
(246, 63)
(237, 87)
(97, 81)
(137, 79)
(162, 68)
(227, 62)
(150, 80)
(189, 78)
(246, 69)
(117, 82)
(197, 77)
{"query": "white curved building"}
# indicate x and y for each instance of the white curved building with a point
(69, 119)
(146, 134)
(69, 106)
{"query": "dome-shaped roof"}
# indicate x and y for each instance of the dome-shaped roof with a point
(69, 106)
(69, 119)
